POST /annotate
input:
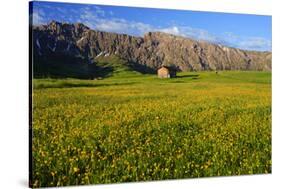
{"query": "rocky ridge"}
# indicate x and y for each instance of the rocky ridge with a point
(79, 44)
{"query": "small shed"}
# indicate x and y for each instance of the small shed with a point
(166, 72)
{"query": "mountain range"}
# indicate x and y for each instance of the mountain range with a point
(64, 49)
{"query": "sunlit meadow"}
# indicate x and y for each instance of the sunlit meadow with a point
(134, 127)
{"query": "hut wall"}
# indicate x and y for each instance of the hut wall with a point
(163, 73)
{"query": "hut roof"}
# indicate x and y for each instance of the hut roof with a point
(170, 68)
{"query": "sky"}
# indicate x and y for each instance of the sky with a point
(244, 31)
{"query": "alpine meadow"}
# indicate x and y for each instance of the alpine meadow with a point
(103, 113)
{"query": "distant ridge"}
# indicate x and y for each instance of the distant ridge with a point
(78, 44)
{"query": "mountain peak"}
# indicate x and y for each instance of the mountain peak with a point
(150, 51)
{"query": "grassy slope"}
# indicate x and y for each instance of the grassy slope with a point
(132, 127)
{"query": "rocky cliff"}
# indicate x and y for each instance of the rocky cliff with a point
(77, 43)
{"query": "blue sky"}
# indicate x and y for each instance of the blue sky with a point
(250, 32)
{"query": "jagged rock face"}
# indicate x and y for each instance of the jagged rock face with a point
(152, 50)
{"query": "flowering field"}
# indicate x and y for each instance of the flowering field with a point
(135, 127)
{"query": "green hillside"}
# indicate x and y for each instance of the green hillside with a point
(79, 68)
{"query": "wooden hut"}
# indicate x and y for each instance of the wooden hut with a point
(166, 72)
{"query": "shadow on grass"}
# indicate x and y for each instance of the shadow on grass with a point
(63, 66)
(193, 76)
(175, 79)
(75, 85)
(142, 68)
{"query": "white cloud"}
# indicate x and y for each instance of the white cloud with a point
(94, 17)
(90, 13)
(140, 27)
(227, 38)
(38, 17)
(95, 20)
(194, 33)
(172, 30)
(87, 15)
(99, 11)
(112, 25)
(246, 42)
(255, 43)
(122, 26)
